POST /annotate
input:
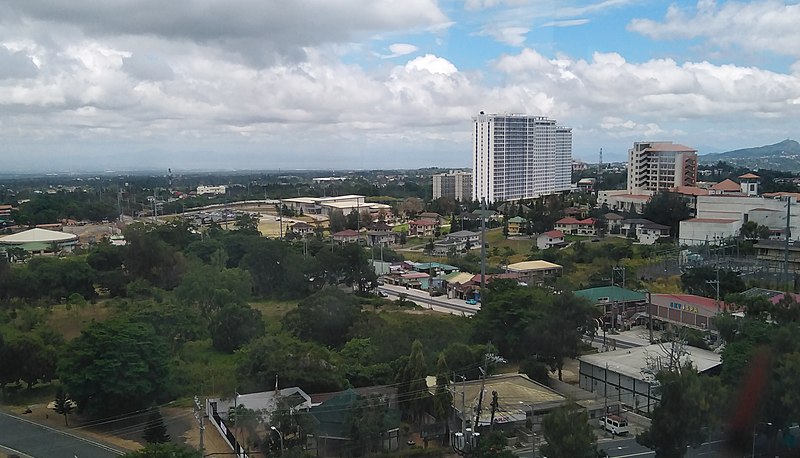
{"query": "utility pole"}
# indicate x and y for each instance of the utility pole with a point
(480, 395)
(650, 315)
(200, 415)
(786, 243)
(483, 247)
(494, 409)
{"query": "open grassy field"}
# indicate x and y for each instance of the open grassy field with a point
(69, 321)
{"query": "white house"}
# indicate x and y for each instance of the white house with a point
(549, 239)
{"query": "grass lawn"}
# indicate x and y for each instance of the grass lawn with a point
(274, 310)
(70, 323)
(204, 369)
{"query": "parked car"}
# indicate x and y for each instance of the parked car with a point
(615, 424)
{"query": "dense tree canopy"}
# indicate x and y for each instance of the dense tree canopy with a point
(667, 208)
(674, 427)
(567, 433)
(116, 366)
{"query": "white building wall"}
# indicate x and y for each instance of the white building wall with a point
(699, 232)
(519, 157)
(749, 208)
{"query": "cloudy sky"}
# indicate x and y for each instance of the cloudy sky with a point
(267, 84)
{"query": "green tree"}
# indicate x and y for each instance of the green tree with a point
(754, 231)
(155, 432)
(338, 222)
(305, 364)
(667, 208)
(164, 451)
(412, 387)
(442, 398)
(115, 366)
(567, 433)
(325, 317)
(210, 288)
(365, 424)
(493, 445)
(674, 427)
(247, 224)
(63, 405)
(234, 325)
(701, 281)
(31, 359)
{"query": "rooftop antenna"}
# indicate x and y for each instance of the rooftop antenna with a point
(170, 179)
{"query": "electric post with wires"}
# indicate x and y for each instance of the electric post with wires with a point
(200, 415)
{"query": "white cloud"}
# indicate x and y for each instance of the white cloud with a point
(398, 49)
(432, 64)
(659, 88)
(566, 23)
(258, 30)
(514, 36)
(762, 25)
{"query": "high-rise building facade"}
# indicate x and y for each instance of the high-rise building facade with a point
(653, 166)
(516, 156)
(455, 185)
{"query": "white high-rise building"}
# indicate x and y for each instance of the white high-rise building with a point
(455, 185)
(653, 166)
(516, 156)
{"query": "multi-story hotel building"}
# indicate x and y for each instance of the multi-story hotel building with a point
(517, 156)
(653, 166)
(455, 185)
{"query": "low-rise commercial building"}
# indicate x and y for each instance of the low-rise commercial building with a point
(628, 375)
(534, 272)
(687, 310)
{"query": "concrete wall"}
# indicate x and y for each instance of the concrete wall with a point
(698, 233)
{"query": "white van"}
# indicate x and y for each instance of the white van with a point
(615, 424)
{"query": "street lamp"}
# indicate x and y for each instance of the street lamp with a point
(280, 435)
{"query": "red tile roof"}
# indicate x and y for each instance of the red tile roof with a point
(554, 234)
(568, 220)
(346, 233)
(727, 185)
(749, 176)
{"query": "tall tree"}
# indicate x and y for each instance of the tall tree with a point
(234, 325)
(667, 208)
(155, 432)
(115, 366)
(325, 317)
(567, 433)
(674, 427)
(365, 424)
(442, 398)
(557, 335)
(412, 388)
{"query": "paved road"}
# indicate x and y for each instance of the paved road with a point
(628, 448)
(423, 299)
(24, 437)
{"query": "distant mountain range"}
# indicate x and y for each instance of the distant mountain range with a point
(783, 156)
